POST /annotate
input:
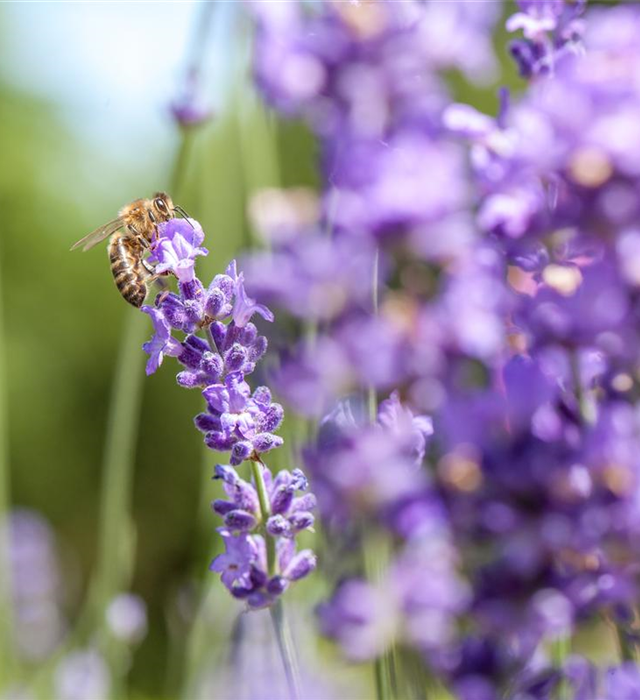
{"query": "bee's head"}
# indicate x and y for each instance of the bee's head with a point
(162, 208)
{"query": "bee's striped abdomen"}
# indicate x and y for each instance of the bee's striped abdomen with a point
(125, 255)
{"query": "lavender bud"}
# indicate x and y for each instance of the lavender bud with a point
(241, 592)
(228, 475)
(192, 290)
(225, 284)
(304, 503)
(300, 482)
(258, 577)
(205, 422)
(248, 335)
(240, 452)
(192, 349)
(173, 310)
(258, 349)
(235, 358)
(218, 441)
(222, 507)
(218, 333)
(214, 303)
(262, 395)
(266, 441)
(189, 380)
(211, 364)
(301, 565)
(301, 520)
(277, 585)
(240, 520)
(233, 333)
(278, 526)
(271, 419)
(282, 499)
(193, 311)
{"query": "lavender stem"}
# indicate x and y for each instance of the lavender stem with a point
(280, 626)
(372, 398)
(585, 407)
(265, 511)
(382, 667)
(287, 653)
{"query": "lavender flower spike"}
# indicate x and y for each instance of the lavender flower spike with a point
(244, 567)
(261, 520)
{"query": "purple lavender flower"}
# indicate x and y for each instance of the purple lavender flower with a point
(189, 109)
(289, 514)
(39, 624)
(162, 342)
(416, 602)
(244, 567)
(244, 307)
(176, 247)
(551, 29)
(302, 275)
(245, 573)
(234, 565)
(238, 420)
(374, 466)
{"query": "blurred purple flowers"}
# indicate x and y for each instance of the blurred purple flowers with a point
(479, 270)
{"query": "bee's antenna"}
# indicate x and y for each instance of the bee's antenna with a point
(184, 214)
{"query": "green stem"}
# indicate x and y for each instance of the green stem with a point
(585, 406)
(560, 649)
(384, 666)
(286, 648)
(6, 617)
(372, 399)
(257, 465)
(377, 553)
(625, 647)
(280, 626)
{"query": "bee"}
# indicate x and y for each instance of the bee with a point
(131, 235)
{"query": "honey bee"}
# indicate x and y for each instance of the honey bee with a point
(131, 235)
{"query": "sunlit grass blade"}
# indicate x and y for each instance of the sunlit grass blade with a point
(115, 544)
(6, 617)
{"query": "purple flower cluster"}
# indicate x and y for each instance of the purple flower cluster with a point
(551, 29)
(39, 624)
(237, 420)
(490, 282)
(244, 566)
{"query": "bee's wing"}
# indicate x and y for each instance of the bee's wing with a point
(99, 234)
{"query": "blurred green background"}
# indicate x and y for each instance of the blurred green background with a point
(84, 128)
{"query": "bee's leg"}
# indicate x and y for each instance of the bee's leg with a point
(151, 269)
(148, 266)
